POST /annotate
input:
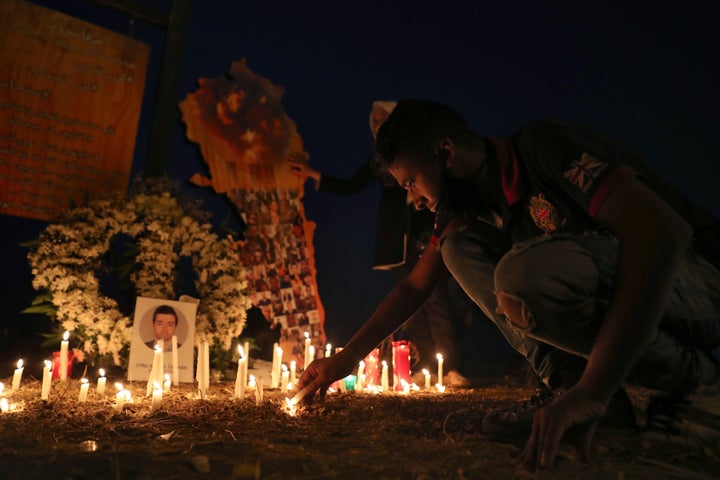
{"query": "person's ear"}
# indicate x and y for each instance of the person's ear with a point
(446, 153)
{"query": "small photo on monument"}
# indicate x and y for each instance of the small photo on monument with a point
(156, 322)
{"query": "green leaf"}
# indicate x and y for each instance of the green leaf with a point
(49, 310)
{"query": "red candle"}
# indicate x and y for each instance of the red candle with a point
(371, 368)
(401, 364)
(56, 365)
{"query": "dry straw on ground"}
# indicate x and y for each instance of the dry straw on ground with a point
(349, 436)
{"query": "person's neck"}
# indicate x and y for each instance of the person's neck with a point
(479, 163)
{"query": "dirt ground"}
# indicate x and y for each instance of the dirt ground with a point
(349, 436)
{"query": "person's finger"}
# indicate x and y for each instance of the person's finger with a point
(549, 442)
(529, 455)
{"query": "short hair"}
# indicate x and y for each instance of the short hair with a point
(412, 126)
(165, 309)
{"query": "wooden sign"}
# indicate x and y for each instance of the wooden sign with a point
(246, 137)
(70, 98)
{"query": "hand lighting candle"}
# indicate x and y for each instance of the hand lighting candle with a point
(46, 381)
(84, 386)
(17, 376)
(102, 380)
(64, 356)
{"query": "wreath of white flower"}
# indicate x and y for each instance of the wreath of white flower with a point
(68, 255)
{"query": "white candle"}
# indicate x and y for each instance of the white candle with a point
(275, 369)
(167, 383)
(206, 366)
(328, 350)
(440, 369)
(259, 393)
(360, 376)
(426, 372)
(284, 378)
(84, 386)
(175, 357)
(46, 381)
(308, 356)
(101, 382)
(64, 355)
(293, 373)
(240, 378)
(312, 353)
(4, 406)
(156, 397)
(156, 367)
(120, 397)
(17, 376)
(384, 383)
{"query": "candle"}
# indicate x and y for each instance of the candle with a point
(312, 353)
(350, 383)
(176, 366)
(275, 372)
(360, 376)
(64, 356)
(101, 382)
(240, 378)
(120, 397)
(384, 384)
(167, 383)
(17, 376)
(84, 386)
(292, 372)
(157, 367)
(156, 397)
(4, 406)
(426, 372)
(328, 350)
(200, 370)
(251, 381)
(370, 378)
(401, 364)
(285, 376)
(308, 356)
(440, 369)
(259, 393)
(206, 365)
(46, 381)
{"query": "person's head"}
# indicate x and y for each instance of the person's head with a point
(417, 145)
(381, 109)
(165, 322)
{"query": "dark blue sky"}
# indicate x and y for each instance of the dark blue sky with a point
(646, 76)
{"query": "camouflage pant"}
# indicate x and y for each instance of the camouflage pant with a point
(562, 287)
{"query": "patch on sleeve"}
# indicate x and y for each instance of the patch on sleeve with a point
(583, 172)
(544, 214)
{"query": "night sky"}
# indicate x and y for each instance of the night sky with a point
(646, 76)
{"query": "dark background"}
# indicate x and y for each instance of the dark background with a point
(645, 74)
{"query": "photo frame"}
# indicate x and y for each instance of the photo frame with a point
(144, 337)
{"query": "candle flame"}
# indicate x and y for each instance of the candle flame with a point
(66, 335)
(441, 388)
(384, 363)
(290, 406)
(439, 356)
(119, 387)
(241, 351)
(284, 368)
(158, 348)
(4, 407)
(293, 364)
(167, 377)
(102, 372)
(307, 335)
(426, 372)
(328, 347)
(83, 380)
(48, 363)
(19, 363)
(2, 387)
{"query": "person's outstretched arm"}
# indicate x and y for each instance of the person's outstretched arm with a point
(399, 305)
(357, 182)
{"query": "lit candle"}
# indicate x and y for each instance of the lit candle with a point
(259, 393)
(201, 371)
(360, 376)
(308, 356)
(64, 356)
(370, 373)
(328, 350)
(176, 366)
(278, 367)
(312, 353)
(292, 372)
(46, 381)
(350, 383)
(206, 366)
(120, 397)
(167, 383)
(440, 369)
(401, 364)
(84, 386)
(426, 372)
(156, 397)
(284, 378)
(251, 381)
(156, 367)
(17, 376)
(101, 382)
(240, 378)
(4, 406)
(384, 384)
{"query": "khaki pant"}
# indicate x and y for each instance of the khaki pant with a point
(558, 289)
